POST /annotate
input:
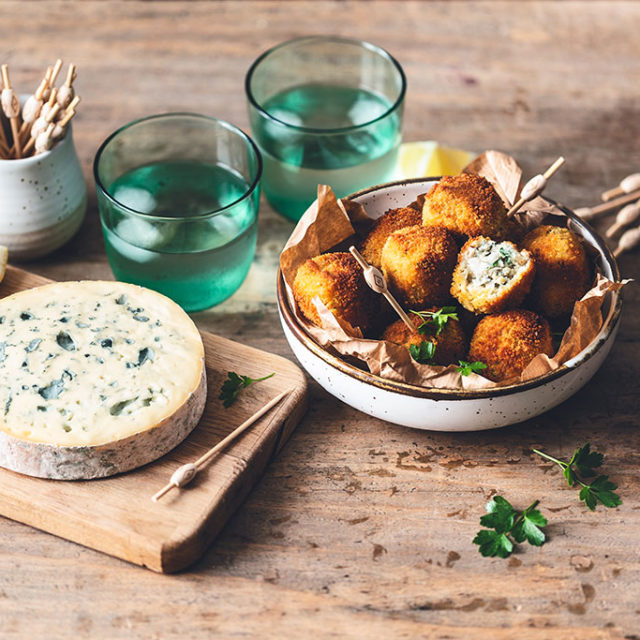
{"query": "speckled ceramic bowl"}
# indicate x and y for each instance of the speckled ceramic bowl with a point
(452, 409)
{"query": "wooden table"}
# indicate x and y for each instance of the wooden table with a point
(361, 529)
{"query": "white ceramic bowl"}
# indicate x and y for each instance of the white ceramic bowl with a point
(43, 200)
(452, 409)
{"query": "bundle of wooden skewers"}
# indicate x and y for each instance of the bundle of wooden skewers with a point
(625, 198)
(44, 117)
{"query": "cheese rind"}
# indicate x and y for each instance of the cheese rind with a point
(96, 378)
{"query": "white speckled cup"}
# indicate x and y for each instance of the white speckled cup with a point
(43, 200)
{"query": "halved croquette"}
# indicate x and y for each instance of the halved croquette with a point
(492, 276)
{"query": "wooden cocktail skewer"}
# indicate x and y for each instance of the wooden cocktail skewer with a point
(587, 213)
(626, 216)
(535, 186)
(50, 103)
(54, 72)
(61, 126)
(66, 92)
(47, 91)
(376, 281)
(32, 107)
(11, 108)
(629, 240)
(44, 141)
(187, 472)
(41, 125)
(627, 185)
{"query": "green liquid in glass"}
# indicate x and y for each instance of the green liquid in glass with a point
(296, 161)
(197, 263)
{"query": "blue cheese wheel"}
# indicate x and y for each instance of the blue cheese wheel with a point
(96, 378)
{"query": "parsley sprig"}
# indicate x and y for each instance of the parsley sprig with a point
(582, 465)
(424, 352)
(466, 368)
(506, 525)
(435, 320)
(234, 384)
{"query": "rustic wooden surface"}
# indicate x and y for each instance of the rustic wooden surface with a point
(360, 528)
(116, 515)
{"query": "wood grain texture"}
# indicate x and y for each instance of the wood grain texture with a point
(360, 528)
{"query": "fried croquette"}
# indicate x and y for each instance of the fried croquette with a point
(563, 275)
(383, 227)
(338, 280)
(450, 343)
(467, 205)
(492, 276)
(417, 263)
(507, 342)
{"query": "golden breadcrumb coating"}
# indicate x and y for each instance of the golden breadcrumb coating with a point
(563, 275)
(451, 344)
(467, 205)
(383, 227)
(337, 279)
(507, 342)
(492, 276)
(417, 263)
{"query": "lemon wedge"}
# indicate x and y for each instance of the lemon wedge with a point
(427, 159)
(4, 256)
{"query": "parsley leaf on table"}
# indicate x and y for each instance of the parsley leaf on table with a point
(467, 368)
(423, 353)
(435, 320)
(234, 384)
(581, 466)
(506, 521)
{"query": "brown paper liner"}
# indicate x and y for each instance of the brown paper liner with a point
(329, 223)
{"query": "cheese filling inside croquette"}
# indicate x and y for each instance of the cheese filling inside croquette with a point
(492, 265)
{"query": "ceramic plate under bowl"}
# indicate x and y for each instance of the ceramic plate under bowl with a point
(452, 409)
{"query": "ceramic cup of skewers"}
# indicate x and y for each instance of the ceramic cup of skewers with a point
(44, 196)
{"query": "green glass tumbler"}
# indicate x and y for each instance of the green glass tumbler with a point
(324, 110)
(178, 196)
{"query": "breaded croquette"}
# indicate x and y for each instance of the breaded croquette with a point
(492, 276)
(383, 227)
(562, 270)
(467, 205)
(338, 280)
(507, 342)
(450, 343)
(417, 263)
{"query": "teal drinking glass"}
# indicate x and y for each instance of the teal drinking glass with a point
(178, 196)
(324, 110)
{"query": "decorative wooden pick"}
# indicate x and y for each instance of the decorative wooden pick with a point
(47, 91)
(32, 107)
(628, 240)
(11, 108)
(588, 213)
(376, 281)
(187, 472)
(626, 216)
(535, 186)
(41, 124)
(61, 126)
(54, 73)
(627, 185)
(48, 106)
(44, 141)
(66, 92)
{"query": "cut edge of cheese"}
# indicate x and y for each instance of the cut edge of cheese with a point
(53, 462)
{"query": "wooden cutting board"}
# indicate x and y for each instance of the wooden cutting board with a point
(116, 515)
